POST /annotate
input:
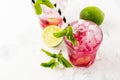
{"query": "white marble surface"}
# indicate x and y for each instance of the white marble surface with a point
(20, 43)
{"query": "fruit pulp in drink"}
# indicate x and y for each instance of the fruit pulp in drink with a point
(51, 21)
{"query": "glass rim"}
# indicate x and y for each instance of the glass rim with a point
(77, 21)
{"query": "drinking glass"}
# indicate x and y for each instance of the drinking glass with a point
(52, 16)
(89, 37)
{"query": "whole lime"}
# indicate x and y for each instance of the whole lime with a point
(92, 13)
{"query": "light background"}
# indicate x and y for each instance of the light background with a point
(20, 43)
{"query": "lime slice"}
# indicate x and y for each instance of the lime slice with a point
(48, 37)
(92, 13)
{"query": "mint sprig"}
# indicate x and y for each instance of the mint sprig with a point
(38, 9)
(38, 3)
(68, 32)
(63, 61)
(51, 64)
(56, 58)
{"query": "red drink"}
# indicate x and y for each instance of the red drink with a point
(89, 37)
(52, 16)
(51, 21)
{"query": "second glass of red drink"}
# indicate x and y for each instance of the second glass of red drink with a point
(53, 16)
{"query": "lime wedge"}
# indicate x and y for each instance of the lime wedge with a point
(49, 38)
(92, 13)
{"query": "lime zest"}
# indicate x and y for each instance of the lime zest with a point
(37, 5)
(68, 32)
(57, 58)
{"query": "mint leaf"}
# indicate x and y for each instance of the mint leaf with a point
(37, 5)
(49, 54)
(51, 64)
(47, 3)
(60, 34)
(68, 32)
(70, 35)
(39, 1)
(63, 61)
(38, 9)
